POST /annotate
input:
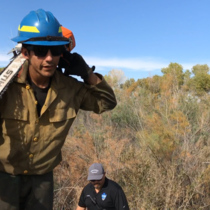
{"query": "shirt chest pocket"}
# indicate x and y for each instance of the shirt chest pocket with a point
(18, 114)
(61, 115)
(14, 122)
(61, 119)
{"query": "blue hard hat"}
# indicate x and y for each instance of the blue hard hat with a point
(40, 28)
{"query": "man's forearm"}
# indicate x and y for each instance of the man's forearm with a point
(93, 79)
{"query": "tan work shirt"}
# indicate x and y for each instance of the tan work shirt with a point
(30, 144)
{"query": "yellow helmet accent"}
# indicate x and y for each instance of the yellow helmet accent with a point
(60, 30)
(28, 29)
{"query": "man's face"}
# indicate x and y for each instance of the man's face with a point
(43, 60)
(98, 184)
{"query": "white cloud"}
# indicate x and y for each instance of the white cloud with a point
(135, 64)
(132, 63)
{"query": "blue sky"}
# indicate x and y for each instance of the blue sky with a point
(138, 37)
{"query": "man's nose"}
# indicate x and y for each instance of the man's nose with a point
(48, 55)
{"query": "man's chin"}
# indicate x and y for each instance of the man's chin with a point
(49, 73)
(97, 186)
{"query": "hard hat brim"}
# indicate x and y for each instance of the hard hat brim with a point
(43, 42)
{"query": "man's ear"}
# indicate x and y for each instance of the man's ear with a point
(25, 53)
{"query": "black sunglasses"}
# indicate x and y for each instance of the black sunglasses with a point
(41, 51)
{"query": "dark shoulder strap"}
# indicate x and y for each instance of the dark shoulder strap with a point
(95, 202)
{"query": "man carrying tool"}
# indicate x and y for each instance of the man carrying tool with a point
(101, 193)
(38, 109)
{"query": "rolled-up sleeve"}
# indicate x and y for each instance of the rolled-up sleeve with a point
(99, 98)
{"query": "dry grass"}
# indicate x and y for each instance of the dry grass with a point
(159, 155)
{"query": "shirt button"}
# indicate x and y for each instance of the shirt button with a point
(25, 172)
(31, 156)
(36, 102)
(28, 87)
(35, 139)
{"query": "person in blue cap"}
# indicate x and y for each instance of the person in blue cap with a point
(101, 193)
(38, 109)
